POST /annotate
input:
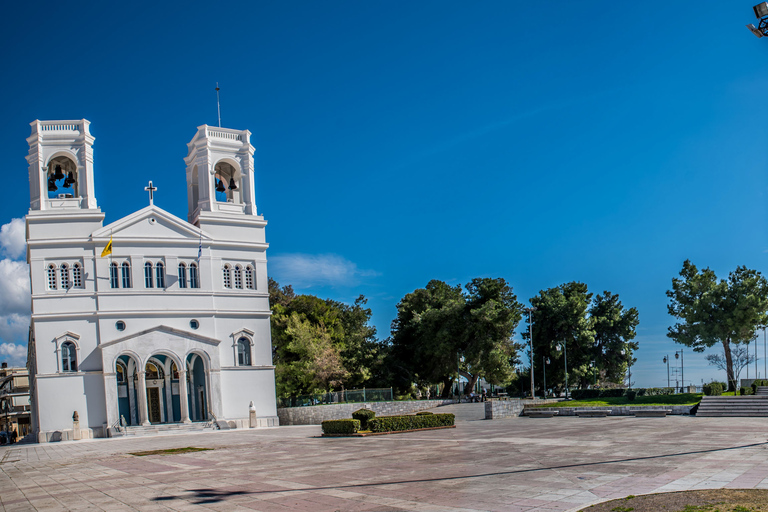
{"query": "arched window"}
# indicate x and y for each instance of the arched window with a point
(182, 275)
(153, 371)
(227, 182)
(68, 357)
(160, 275)
(249, 278)
(243, 352)
(77, 275)
(148, 275)
(227, 276)
(51, 276)
(114, 280)
(66, 284)
(238, 277)
(194, 280)
(126, 274)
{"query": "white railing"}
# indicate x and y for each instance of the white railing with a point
(225, 135)
(67, 126)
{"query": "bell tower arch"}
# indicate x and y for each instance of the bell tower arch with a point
(220, 173)
(61, 166)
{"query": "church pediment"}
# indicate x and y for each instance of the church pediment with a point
(168, 332)
(151, 223)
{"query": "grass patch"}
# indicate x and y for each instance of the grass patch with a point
(679, 399)
(170, 451)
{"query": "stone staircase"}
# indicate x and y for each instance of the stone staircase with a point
(167, 429)
(762, 391)
(745, 406)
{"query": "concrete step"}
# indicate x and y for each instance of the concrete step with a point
(168, 429)
(733, 406)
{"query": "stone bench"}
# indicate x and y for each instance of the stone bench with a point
(594, 413)
(541, 413)
(651, 413)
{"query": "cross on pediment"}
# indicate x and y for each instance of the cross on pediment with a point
(151, 189)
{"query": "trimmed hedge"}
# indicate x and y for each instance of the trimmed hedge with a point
(364, 415)
(631, 394)
(395, 423)
(341, 426)
(713, 389)
(582, 394)
(423, 413)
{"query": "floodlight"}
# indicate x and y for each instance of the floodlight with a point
(754, 30)
(761, 10)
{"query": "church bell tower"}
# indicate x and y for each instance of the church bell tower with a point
(61, 166)
(220, 174)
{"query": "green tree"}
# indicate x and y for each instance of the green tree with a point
(597, 335)
(711, 311)
(438, 325)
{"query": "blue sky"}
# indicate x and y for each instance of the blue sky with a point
(399, 142)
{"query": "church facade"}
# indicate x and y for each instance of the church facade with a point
(151, 319)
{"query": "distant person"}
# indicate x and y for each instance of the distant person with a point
(485, 395)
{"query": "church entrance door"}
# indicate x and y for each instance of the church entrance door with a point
(153, 399)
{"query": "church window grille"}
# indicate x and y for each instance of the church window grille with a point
(194, 280)
(243, 352)
(148, 275)
(68, 357)
(227, 276)
(249, 278)
(77, 275)
(238, 277)
(126, 275)
(160, 275)
(51, 276)
(114, 280)
(182, 275)
(64, 273)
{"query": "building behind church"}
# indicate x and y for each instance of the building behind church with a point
(172, 325)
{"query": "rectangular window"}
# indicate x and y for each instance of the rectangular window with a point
(182, 275)
(160, 274)
(148, 275)
(126, 275)
(114, 280)
(194, 282)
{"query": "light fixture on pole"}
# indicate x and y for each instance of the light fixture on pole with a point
(565, 359)
(666, 360)
(761, 13)
(530, 340)
(629, 368)
(679, 355)
(544, 363)
(594, 373)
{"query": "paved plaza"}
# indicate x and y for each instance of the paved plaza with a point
(519, 464)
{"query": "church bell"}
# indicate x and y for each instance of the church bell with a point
(220, 186)
(69, 181)
(58, 175)
(52, 186)
(232, 185)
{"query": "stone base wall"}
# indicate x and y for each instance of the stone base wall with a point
(52, 436)
(511, 408)
(625, 410)
(316, 414)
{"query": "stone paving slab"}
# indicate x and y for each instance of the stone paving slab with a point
(518, 464)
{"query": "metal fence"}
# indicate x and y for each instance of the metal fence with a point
(338, 397)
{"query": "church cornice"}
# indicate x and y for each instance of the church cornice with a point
(165, 329)
(187, 313)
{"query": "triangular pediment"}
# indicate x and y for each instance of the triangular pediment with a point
(151, 223)
(163, 329)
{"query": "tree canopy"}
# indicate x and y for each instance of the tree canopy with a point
(728, 311)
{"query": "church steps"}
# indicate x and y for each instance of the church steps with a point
(167, 429)
(734, 406)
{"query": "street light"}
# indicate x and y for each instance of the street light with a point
(565, 358)
(530, 340)
(594, 373)
(666, 360)
(544, 363)
(761, 13)
(679, 355)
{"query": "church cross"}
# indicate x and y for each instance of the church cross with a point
(151, 189)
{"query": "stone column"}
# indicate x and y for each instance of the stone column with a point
(252, 415)
(183, 397)
(143, 416)
(131, 401)
(111, 399)
(167, 383)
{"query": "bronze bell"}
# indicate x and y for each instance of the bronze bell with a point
(220, 186)
(232, 185)
(52, 186)
(58, 175)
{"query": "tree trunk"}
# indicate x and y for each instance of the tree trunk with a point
(729, 364)
(472, 380)
(447, 384)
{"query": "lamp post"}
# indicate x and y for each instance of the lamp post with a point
(565, 359)
(459, 360)
(666, 360)
(530, 340)
(594, 373)
(679, 355)
(761, 13)
(544, 363)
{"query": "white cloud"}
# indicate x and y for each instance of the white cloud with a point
(14, 355)
(14, 288)
(13, 238)
(305, 270)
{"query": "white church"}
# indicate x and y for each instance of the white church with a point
(170, 326)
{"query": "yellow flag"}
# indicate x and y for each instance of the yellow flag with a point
(108, 249)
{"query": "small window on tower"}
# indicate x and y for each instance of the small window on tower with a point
(66, 284)
(77, 275)
(51, 276)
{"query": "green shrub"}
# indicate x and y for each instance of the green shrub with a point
(340, 426)
(744, 391)
(423, 413)
(364, 415)
(713, 389)
(631, 394)
(758, 382)
(395, 423)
